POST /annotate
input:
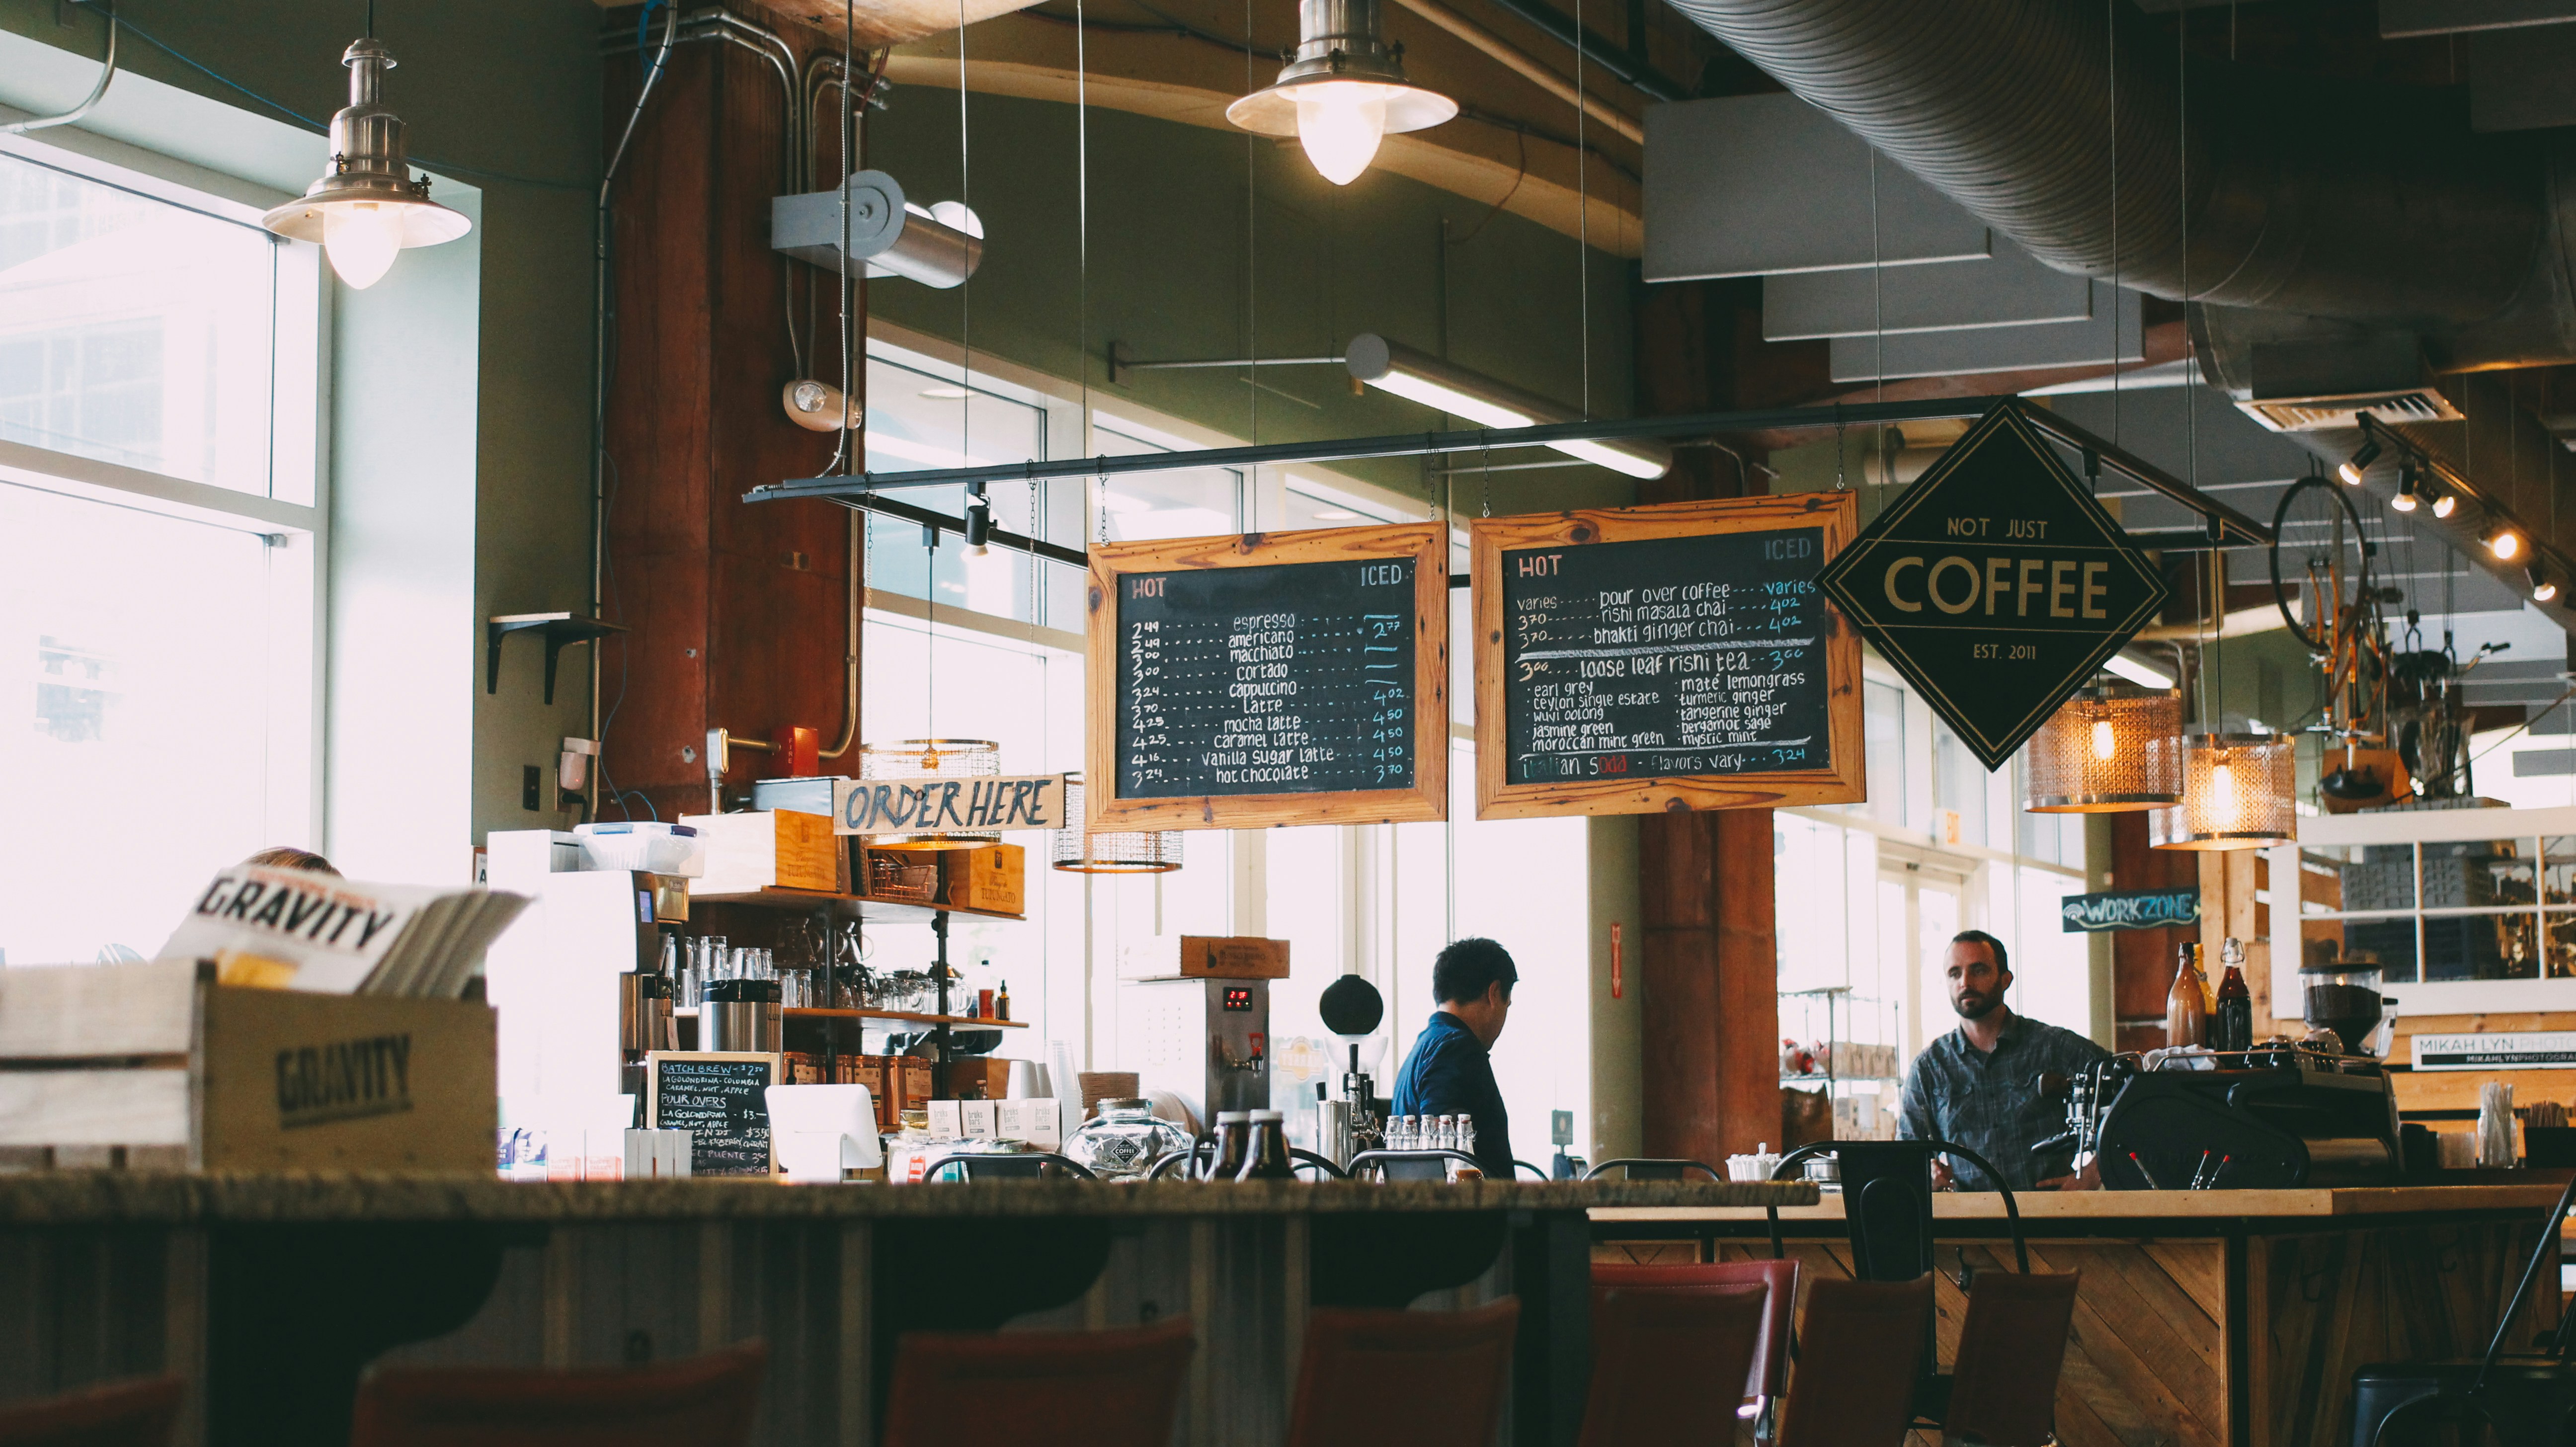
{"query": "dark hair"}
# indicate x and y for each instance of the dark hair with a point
(1468, 968)
(2003, 962)
(287, 856)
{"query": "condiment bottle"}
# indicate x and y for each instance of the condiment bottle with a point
(1267, 1156)
(1002, 1002)
(1233, 1144)
(2187, 1003)
(2233, 1029)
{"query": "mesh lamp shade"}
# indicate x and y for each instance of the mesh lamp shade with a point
(1079, 851)
(2237, 793)
(914, 759)
(2098, 754)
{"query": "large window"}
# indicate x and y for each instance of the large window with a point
(159, 547)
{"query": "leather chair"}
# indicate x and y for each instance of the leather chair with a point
(1402, 1378)
(1015, 1389)
(1666, 1362)
(1768, 1374)
(2003, 1388)
(1857, 1354)
(125, 1414)
(705, 1401)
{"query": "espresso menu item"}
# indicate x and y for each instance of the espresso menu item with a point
(718, 1099)
(1288, 678)
(1666, 657)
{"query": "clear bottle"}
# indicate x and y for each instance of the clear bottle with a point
(1266, 1156)
(2187, 1003)
(1444, 1134)
(2232, 1027)
(1467, 1134)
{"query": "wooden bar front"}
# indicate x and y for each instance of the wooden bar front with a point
(2205, 1318)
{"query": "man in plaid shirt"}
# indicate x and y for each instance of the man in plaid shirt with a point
(1978, 1086)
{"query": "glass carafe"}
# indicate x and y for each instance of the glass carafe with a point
(1124, 1140)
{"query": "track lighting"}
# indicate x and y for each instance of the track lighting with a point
(2542, 589)
(2359, 463)
(367, 208)
(2445, 504)
(979, 521)
(2505, 543)
(1343, 89)
(2406, 485)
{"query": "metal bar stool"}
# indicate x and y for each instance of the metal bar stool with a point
(1403, 1378)
(2003, 1387)
(1017, 1166)
(1644, 1168)
(1858, 1347)
(1767, 1376)
(1668, 1363)
(125, 1414)
(1064, 1389)
(705, 1401)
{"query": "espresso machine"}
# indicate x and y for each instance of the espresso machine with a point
(2278, 1116)
(1352, 1009)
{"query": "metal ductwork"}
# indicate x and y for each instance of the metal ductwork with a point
(2366, 204)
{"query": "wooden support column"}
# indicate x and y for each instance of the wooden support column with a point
(2142, 961)
(2230, 880)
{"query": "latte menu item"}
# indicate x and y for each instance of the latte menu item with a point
(1675, 656)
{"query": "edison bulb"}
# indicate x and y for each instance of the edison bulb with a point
(2222, 790)
(1340, 124)
(2105, 744)
(362, 239)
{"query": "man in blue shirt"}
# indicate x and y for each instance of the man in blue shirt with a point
(1451, 1069)
(1978, 1086)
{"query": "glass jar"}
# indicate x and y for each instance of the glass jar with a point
(1124, 1140)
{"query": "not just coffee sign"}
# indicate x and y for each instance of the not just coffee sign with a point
(1995, 584)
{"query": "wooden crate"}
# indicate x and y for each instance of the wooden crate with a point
(1208, 957)
(157, 1063)
(770, 848)
(993, 878)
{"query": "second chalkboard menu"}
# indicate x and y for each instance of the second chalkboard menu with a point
(1271, 678)
(1634, 660)
(721, 1098)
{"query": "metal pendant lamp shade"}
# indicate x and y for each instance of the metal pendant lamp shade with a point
(1343, 90)
(367, 208)
(2238, 792)
(931, 759)
(2098, 754)
(1079, 851)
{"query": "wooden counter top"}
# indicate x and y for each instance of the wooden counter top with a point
(96, 1197)
(2070, 1207)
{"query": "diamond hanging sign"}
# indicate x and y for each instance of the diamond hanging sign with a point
(1995, 584)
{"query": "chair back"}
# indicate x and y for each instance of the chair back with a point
(1011, 1166)
(1858, 1352)
(1640, 1168)
(1403, 1378)
(125, 1414)
(1769, 1373)
(705, 1401)
(1666, 1363)
(2004, 1389)
(1064, 1389)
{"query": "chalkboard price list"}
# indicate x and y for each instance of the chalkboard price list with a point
(1294, 678)
(1666, 657)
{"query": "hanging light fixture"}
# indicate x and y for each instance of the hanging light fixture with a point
(1079, 851)
(1421, 377)
(2357, 464)
(1343, 89)
(2237, 792)
(2543, 587)
(2445, 503)
(2097, 754)
(2408, 483)
(367, 207)
(2505, 543)
(916, 759)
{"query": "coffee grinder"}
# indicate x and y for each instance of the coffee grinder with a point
(1352, 1009)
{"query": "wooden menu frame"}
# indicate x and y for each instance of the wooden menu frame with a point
(1426, 544)
(1837, 513)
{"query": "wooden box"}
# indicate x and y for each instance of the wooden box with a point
(158, 1063)
(1204, 957)
(993, 878)
(979, 1077)
(773, 848)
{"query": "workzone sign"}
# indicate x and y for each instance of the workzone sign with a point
(1995, 584)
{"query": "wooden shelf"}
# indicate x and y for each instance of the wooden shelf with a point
(795, 1012)
(847, 906)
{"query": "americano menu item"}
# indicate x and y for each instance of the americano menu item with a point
(720, 1098)
(1269, 679)
(1680, 655)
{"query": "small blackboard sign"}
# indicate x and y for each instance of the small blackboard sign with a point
(1269, 679)
(718, 1097)
(1643, 658)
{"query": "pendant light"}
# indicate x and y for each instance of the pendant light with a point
(367, 207)
(1079, 851)
(913, 760)
(2097, 754)
(1343, 90)
(2237, 792)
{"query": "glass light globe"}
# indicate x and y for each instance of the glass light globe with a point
(362, 239)
(1340, 124)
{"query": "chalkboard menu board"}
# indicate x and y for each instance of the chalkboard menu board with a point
(717, 1096)
(1640, 659)
(1269, 679)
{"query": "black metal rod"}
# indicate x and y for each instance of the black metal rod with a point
(1596, 49)
(864, 501)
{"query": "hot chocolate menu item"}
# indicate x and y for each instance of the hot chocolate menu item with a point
(1659, 657)
(1270, 679)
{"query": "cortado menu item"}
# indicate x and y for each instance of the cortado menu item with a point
(718, 1097)
(1681, 655)
(1270, 679)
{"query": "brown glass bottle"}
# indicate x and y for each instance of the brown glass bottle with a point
(2187, 1003)
(1267, 1157)
(2233, 1026)
(1233, 1144)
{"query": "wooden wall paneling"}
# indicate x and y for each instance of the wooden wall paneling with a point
(1748, 984)
(2142, 961)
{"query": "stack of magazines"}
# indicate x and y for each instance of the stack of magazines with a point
(293, 929)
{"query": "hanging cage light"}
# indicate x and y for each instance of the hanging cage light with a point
(912, 759)
(2097, 754)
(367, 208)
(1137, 851)
(2238, 792)
(1343, 90)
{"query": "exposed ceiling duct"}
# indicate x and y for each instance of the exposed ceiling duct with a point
(2371, 205)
